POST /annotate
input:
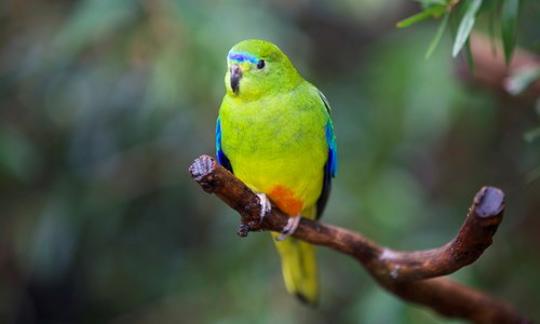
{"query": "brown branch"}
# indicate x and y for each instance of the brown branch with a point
(410, 275)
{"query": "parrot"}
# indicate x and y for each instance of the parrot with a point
(274, 132)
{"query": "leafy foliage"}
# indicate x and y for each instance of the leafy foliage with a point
(502, 12)
(509, 21)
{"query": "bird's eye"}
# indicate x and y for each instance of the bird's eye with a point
(261, 64)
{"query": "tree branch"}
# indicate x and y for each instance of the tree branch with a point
(406, 274)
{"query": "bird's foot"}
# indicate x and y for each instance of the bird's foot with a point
(290, 228)
(243, 230)
(247, 226)
(265, 206)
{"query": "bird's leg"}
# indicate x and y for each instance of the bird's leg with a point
(290, 228)
(265, 205)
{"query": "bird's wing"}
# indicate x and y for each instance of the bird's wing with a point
(221, 157)
(330, 168)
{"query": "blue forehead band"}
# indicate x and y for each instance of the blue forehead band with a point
(242, 56)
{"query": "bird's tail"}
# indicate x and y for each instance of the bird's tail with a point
(299, 268)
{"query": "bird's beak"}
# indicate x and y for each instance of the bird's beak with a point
(236, 75)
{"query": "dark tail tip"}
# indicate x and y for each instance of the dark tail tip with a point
(306, 301)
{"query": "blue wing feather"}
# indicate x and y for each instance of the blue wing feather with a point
(332, 149)
(330, 168)
(221, 157)
(330, 139)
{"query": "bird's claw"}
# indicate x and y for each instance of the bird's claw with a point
(290, 228)
(243, 230)
(247, 226)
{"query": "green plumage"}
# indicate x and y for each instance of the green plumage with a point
(275, 133)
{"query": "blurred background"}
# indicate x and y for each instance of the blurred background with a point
(104, 104)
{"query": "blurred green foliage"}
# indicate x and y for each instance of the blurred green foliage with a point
(503, 14)
(105, 103)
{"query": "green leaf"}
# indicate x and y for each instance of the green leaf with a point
(428, 3)
(433, 11)
(509, 15)
(440, 31)
(466, 25)
(521, 80)
(468, 56)
(493, 20)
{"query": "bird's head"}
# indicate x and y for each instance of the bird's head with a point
(256, 68)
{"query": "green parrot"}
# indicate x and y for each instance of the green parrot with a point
(274, 132)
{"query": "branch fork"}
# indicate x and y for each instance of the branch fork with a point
(415, 276)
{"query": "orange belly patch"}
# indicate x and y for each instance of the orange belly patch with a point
(285, 200)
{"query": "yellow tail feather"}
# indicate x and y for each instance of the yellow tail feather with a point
(299, 268)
